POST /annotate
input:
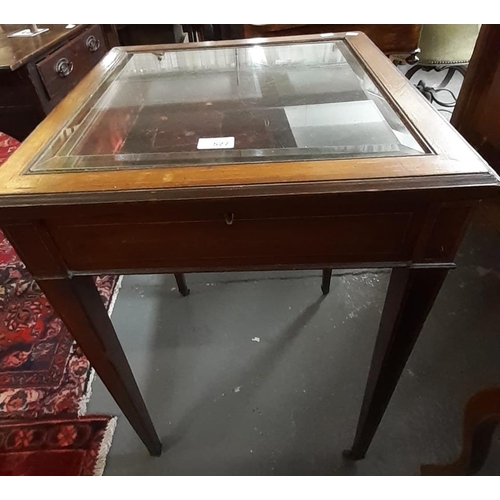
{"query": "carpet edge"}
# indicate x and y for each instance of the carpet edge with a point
(114, 295)
(104, 447)
(84, 401)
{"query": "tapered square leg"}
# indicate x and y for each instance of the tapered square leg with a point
(79, 304)
(180, 278)
(410, 297)
(325, 281)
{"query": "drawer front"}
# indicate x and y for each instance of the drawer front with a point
(228, 243)
(64, 68)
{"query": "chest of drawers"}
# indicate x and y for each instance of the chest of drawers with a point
(37, 73)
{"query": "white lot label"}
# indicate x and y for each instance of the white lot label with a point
(216, 143)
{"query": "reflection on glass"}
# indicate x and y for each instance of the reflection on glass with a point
(279, 103)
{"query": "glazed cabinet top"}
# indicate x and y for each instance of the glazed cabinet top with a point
(288, 115)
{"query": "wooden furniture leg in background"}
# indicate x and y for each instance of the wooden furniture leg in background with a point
(325, 281)
(410, 297)
(481, 416)
(80, 306)
(180, 279)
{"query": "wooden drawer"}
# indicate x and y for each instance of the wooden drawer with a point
(156, 240)
(64, 68)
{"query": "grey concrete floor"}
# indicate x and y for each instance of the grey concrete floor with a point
(225, 404)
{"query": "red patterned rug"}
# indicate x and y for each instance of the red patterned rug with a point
(56, 447)
(43, 374)
(7, 146)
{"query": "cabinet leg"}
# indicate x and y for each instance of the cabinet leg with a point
(180, 278)
(410, 297)
(79, 305)
(325, 281)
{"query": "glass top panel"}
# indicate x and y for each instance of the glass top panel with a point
(249, 104)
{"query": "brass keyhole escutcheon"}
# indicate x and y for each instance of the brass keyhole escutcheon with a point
(229, 217)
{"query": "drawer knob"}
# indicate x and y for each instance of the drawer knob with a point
(229, 217)
(93, 43)
(64, 67)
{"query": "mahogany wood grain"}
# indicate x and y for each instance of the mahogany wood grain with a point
(450, 154)
(207, 244)
(36, 249)
(407, 213)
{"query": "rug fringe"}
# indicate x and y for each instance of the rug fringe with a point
(84, 401)
(114, 296)
(104, 448)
